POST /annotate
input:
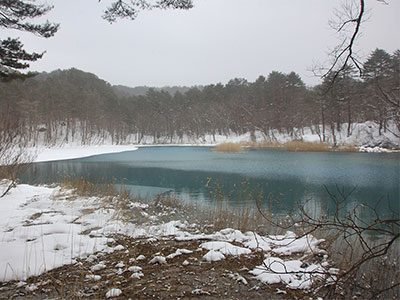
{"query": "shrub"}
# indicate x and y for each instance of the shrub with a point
(307, 146)
(228, 147)
(264, 145)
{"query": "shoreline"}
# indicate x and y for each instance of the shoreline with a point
(57, 153)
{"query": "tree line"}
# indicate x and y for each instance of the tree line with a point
(73, 103)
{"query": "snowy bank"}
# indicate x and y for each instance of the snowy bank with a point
(72, 152)
(363, 135)
(43, 228)
(367, 136)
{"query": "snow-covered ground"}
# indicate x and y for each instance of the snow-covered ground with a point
(364, 135)
(77, 151)
(42, 228)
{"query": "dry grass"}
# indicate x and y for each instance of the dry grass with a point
(228, 147)
(382, 270)
(307, 146)
(263, 145)
(300, 146)
(348, 148)
(110, 196)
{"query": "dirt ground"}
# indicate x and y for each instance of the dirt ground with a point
(187, 276)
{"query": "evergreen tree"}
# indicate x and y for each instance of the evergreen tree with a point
(14, 14)
(130, 9)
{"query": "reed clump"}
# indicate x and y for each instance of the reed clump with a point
(228, 147)
(348, 148)
(109, 195)
(273, 145)
(86, 187)
(307, 146)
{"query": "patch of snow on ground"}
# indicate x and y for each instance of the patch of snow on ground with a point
(113, 293)
(158, 260)
(213, 255)
(225, 248)
(72, 152)
(293, 273)
(40, 230)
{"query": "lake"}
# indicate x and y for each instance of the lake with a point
(281, 180)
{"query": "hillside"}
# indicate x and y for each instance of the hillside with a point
(122, 91)
(75, 106)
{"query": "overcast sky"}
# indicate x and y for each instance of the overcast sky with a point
(214, 42)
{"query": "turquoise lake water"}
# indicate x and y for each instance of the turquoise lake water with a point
(281, 180)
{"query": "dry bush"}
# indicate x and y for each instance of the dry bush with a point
(109, 195)
(365, 252)
(14, 155)
(228, 147)
(244, 215)
(307, 146)
(274, 145)
(348, 148)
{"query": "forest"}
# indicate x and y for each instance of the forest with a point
(72, 101)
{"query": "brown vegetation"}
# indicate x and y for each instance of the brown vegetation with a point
(274, 145)
(307, 146)
(365, 268)
(228, 147)
(348, 148)
(173, 280)
(301, 146)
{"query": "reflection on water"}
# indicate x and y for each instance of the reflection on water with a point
(279, 179)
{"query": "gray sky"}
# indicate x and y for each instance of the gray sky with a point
(214, 42)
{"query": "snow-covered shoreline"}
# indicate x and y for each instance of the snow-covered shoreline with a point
(43, 228)
(72, 152)
(64, 153)
(365, 136)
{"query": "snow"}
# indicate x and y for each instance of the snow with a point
(134, 269)
(158, 260)
(137, 275)
(119, 248)
(293, 273)
(179, 252)
(239, 278)
(305, 244)
(363, 135)
(72, 152)
(93, 277)
(225, 248)
(185, 263)
(213, 255)
(98, 267)
(39, 231)
(113, 293)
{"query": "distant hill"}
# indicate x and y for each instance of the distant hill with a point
(122, 91)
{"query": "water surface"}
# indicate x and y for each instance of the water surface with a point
(280, 179)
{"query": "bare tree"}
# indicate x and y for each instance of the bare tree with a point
(14, 156)
(366, 252)
(347, 22)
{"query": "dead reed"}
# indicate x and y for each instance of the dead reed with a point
(273, 145)
(228, 147)
(298, 146)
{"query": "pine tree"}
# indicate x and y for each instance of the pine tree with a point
(16, 14)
